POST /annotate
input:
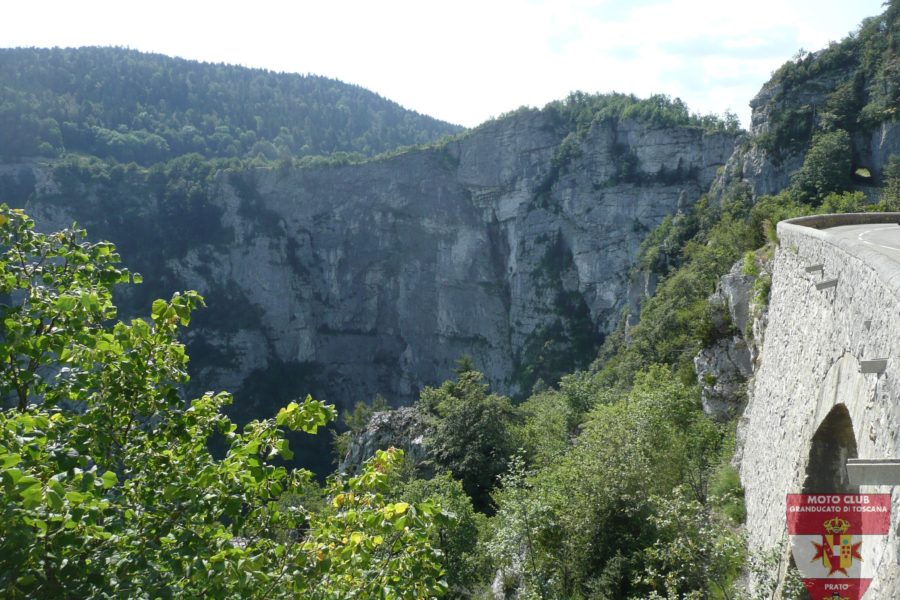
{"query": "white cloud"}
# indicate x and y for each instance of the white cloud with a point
(469, 60)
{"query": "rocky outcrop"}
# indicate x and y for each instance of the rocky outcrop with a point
(403, 428)
(351, 280)
(883, 143)
(807, 95)
(724, 367)
(767, 172)
(731, 300)
(643, 285)
(722, 371)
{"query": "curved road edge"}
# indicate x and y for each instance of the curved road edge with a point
(817, 226)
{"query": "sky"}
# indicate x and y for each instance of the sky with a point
(467, 61)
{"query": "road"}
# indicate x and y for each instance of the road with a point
(882, 238)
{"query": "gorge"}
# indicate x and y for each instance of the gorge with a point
(602, 285)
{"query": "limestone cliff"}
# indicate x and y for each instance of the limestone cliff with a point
(723, 368)
(512, 244)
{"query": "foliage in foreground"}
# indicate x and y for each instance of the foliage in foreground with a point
(109, 489)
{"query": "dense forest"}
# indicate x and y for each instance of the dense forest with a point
(146, 108)
(608, 483)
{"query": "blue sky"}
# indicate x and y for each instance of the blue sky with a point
(469, 60)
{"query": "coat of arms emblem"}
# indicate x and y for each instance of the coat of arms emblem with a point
(837, 549)
(838, 541)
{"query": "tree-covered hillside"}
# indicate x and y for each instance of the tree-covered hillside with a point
(820, 110)
(145, 108)
(852, 85)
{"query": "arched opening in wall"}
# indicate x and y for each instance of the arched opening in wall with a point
(832, 444)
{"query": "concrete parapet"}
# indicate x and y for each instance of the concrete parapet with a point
(836, 220)
(816, 226)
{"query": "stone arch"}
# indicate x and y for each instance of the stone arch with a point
(833, 443)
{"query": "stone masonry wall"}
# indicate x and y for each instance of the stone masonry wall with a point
(809, 364)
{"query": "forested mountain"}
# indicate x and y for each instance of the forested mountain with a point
(852, 85)
(132, 106)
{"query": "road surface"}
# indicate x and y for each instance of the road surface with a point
(882, 238)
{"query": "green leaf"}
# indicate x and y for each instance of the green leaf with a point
(12, 475)
(40, 525)
(31, 493)
(109, 479)
(54, 500)
(75, 497)
(158, 309)
(26, 481)
(183, 311)
(9, 460)
(90, 302)
(56, 486)
(284, 450)
(65, 303)
(357, 537)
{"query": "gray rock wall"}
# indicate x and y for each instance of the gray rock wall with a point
(809, 364)
(347, 281)
(723, 368)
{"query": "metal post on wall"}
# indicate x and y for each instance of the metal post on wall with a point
(873, 471)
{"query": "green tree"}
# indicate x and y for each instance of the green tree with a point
(696, 551)
(890, 193)
(108, 488)
(586, 524)
(466, 568)
(542, 430)
(826, 167)
(471, 436)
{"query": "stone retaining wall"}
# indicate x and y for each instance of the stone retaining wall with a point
(809, 365)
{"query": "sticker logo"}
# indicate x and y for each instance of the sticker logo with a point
(838, 541)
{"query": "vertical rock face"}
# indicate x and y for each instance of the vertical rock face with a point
(381, 275)
(724, 367)
(512, 244)
(768, 168)
(722, 370)
(733, 294)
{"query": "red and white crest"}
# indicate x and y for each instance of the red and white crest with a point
(834, 540)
